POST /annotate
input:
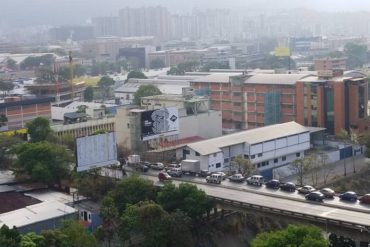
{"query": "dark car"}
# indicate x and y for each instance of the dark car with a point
(315, 196)
(348, 196)
(328, 193)
(141, 167)
(273, 184)
(237, 178)
(204, 173)
(164, 176)
(288, 186)
(365, 199)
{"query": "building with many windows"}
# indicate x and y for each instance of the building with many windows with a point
(268, 148)
(19, 111)
(334, 103)
(251, 100)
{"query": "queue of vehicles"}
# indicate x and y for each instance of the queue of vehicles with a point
(192, 167)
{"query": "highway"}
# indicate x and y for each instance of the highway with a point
(331, 209)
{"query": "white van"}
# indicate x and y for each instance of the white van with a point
(215, 178)
(256, 180)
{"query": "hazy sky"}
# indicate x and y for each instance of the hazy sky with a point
(31, 12)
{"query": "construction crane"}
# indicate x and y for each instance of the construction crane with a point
(71, 74)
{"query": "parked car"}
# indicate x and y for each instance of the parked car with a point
(315, 196)
(255, 180)
(365, 199)
(273, 184)
(170, 166)
(214, 178)
(204, 173)
(328, 193)
(237, 178)
(164, 176)
(175, 172)
(223, 175)
(306, 189)
(157, 166)
(289, 186)
(146, 163)
(348, 196)
(141, 167)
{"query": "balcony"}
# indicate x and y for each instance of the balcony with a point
(238, 108)
(237, 99)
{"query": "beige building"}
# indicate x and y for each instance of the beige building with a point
(196, 122)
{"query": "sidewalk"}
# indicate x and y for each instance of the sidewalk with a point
(332, 172)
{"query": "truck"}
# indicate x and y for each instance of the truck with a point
(190, 166)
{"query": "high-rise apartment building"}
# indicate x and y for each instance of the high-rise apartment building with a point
(105, 26)
(145, 21)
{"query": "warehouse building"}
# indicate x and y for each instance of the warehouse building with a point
(267, 148)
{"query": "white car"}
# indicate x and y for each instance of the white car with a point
(223, 175)
(157, 166)
(256, 180)
(306, 189)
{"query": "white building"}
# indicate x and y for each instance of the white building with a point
(268, 148)
(126, 92)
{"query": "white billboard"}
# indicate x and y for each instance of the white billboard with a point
(96, 151)
(160, 122)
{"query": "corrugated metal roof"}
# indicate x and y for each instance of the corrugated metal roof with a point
(35, 213)
(217, 77)
(252, 136)
(280, 79)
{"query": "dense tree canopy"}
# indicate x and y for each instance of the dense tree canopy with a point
(132, 190)
(186, 197)
(43, 162)
(32, 62)
(39, 129)
(9, 237)
(144, 91)
(159, 228)
(299, 236)
(89, 94)
(136, 75)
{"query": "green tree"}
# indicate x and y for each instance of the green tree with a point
(299, 236)
(131, 191)
(157, 64)
(77, 236)
(186, 197)
(44, 162)
(136, 75)
(300, 168)
(6, 147)
(39, 129)
(9, 237)
(145, 90)
(245, 165)
(214, 65)
(32, 239)
(175, 71)
(109, 214)
(89, 94)
(94, 186)
(188, 66)
(54, 238)
(5, 87)
(11, 64)
(106, 83)
(3, 120)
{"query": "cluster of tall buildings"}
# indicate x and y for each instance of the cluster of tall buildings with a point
(160, 23)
